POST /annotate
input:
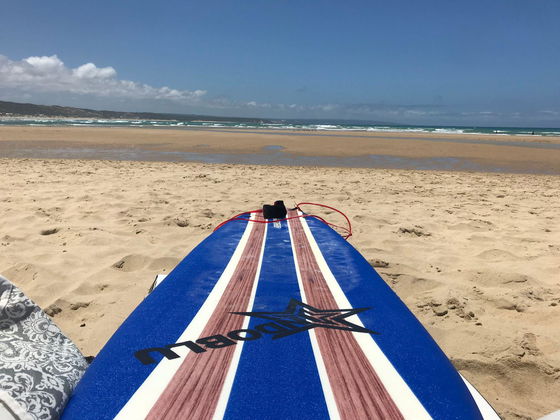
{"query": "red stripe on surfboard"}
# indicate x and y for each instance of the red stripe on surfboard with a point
(357, 390)
(196, 386)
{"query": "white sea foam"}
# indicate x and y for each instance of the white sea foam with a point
(449, 130)
(289, 126)
(397, 129)
(326, 127)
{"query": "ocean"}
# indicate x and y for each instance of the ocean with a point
(303, 125)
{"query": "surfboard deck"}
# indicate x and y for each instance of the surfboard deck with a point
(273, 321)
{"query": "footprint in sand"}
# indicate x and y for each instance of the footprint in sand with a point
(51, 231)
(496, 255)
(509, 305)
(407, 285)
(500, 279)
(528, 345)
(60, 304)
(378, 263)
(414, 231)
(131, 263)
(53, 310)
(79, 305)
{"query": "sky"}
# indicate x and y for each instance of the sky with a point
(481, 62)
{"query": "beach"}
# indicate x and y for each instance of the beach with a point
(472, 246)
(483, 153)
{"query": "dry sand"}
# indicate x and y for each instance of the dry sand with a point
(475, 256)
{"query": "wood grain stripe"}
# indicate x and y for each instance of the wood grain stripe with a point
(195, 389)
(357, 389)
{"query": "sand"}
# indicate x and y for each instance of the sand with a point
(525, 154)
(476, 256)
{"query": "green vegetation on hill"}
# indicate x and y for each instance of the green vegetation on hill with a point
(15, 109)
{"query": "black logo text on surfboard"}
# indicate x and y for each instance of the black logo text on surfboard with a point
(297, 317)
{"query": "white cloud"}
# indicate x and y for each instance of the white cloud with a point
(45, 64)
(91, 71)
(49, 74)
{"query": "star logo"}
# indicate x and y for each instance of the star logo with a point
(297, 317)
(300, 316)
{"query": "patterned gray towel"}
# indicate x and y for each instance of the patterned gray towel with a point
(39, 365)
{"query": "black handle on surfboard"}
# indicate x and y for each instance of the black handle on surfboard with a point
(276, 211)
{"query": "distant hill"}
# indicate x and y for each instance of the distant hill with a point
(15, 109)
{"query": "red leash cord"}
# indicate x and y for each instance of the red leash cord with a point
(348, 229)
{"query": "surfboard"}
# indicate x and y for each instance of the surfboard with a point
(273, 321)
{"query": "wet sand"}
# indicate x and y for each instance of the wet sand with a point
(517, 154)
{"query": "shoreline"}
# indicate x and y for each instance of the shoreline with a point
(241, 123)
(450, 135)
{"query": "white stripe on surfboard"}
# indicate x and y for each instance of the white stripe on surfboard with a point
(323, 376)
(228, 384)
(142, 401)
(402, 395)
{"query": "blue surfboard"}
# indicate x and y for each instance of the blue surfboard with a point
(282, 320)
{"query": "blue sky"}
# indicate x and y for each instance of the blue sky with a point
(492, 62)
